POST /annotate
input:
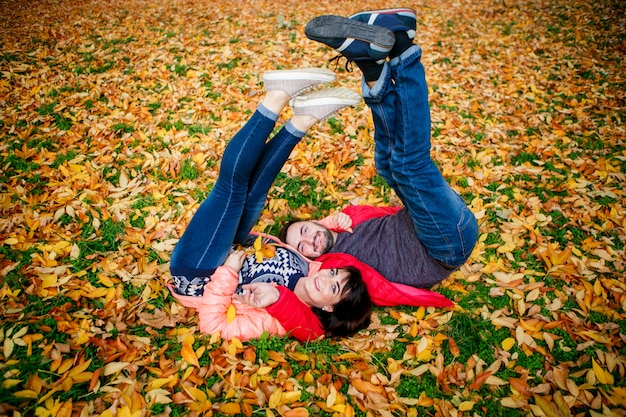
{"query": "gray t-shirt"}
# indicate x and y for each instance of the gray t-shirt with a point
(389, 245)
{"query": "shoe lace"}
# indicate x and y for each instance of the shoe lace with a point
(337, 58)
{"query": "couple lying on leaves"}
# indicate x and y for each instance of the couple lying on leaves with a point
(325, 275)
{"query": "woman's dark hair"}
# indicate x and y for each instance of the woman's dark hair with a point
(353, 312)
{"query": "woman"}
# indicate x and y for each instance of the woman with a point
(249, 165)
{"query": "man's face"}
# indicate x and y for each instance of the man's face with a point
(310, 238)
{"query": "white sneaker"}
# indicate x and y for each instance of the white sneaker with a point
(296, 81)
(322, 104)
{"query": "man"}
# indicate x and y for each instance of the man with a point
(435, 232)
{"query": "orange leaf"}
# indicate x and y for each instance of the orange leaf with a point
(297, 412)
(189, 355)
(230, 408)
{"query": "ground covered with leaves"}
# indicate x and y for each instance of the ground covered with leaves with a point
(113, 119)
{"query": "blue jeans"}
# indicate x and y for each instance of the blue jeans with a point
(249, 166)
(399, 103)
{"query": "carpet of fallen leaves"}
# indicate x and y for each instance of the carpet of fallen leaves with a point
(113, 117)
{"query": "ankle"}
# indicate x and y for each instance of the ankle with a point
(371, 69)
(303, 122)
(275, 100)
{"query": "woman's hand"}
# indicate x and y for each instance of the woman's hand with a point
(235, 260)
(342, 221)
(258, 294)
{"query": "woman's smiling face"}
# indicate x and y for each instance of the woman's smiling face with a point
(323, 289)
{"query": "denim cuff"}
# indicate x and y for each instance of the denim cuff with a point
(409, 53)
(264, 111)
(293, 131)
(375, 91)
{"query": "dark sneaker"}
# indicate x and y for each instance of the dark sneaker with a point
(355, 40)
(396, 20)
(296, 81)
(322, 104)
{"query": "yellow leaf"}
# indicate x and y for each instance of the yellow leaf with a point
(8, 347)
(332, 397)
(263, 370)
(466, 405)
(350, 356)
(257, 244)
(231, 313)
(236, 343)
(309, 378)
(546, 406)
(67, 384)
(188, 340)
(159, 382)
(82, 377)
(422, 345)
(420, 313)
(330, 169)
(508, 343)
(507, 247)
(9, 383)
(106, 281)
(11, 241)
(123, 411)
(65, 365)
(159, 396)
(78, 369)
(292, 396)
(275, 398)
(603, 376)
(299, 356)
(26, 393)
(48, 280)
(189, 355)
(97, 292)
(196, 394)
(114, 367)
(561, 404)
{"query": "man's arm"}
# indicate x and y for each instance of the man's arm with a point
(359, 214)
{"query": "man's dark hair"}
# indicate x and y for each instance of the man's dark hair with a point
(282, 235)
(353, 312)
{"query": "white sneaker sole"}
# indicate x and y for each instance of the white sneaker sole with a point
(322, 104)
(317, 74)
(343, 96)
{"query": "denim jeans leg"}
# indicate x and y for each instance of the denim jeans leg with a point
(443, 222)
(379, 98)
(207, 240)
(271, 161)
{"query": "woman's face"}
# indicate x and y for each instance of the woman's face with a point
(322, 289)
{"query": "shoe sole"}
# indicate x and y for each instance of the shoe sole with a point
(336, 27)
(329, 96)
(399, 11)
(317, 74)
